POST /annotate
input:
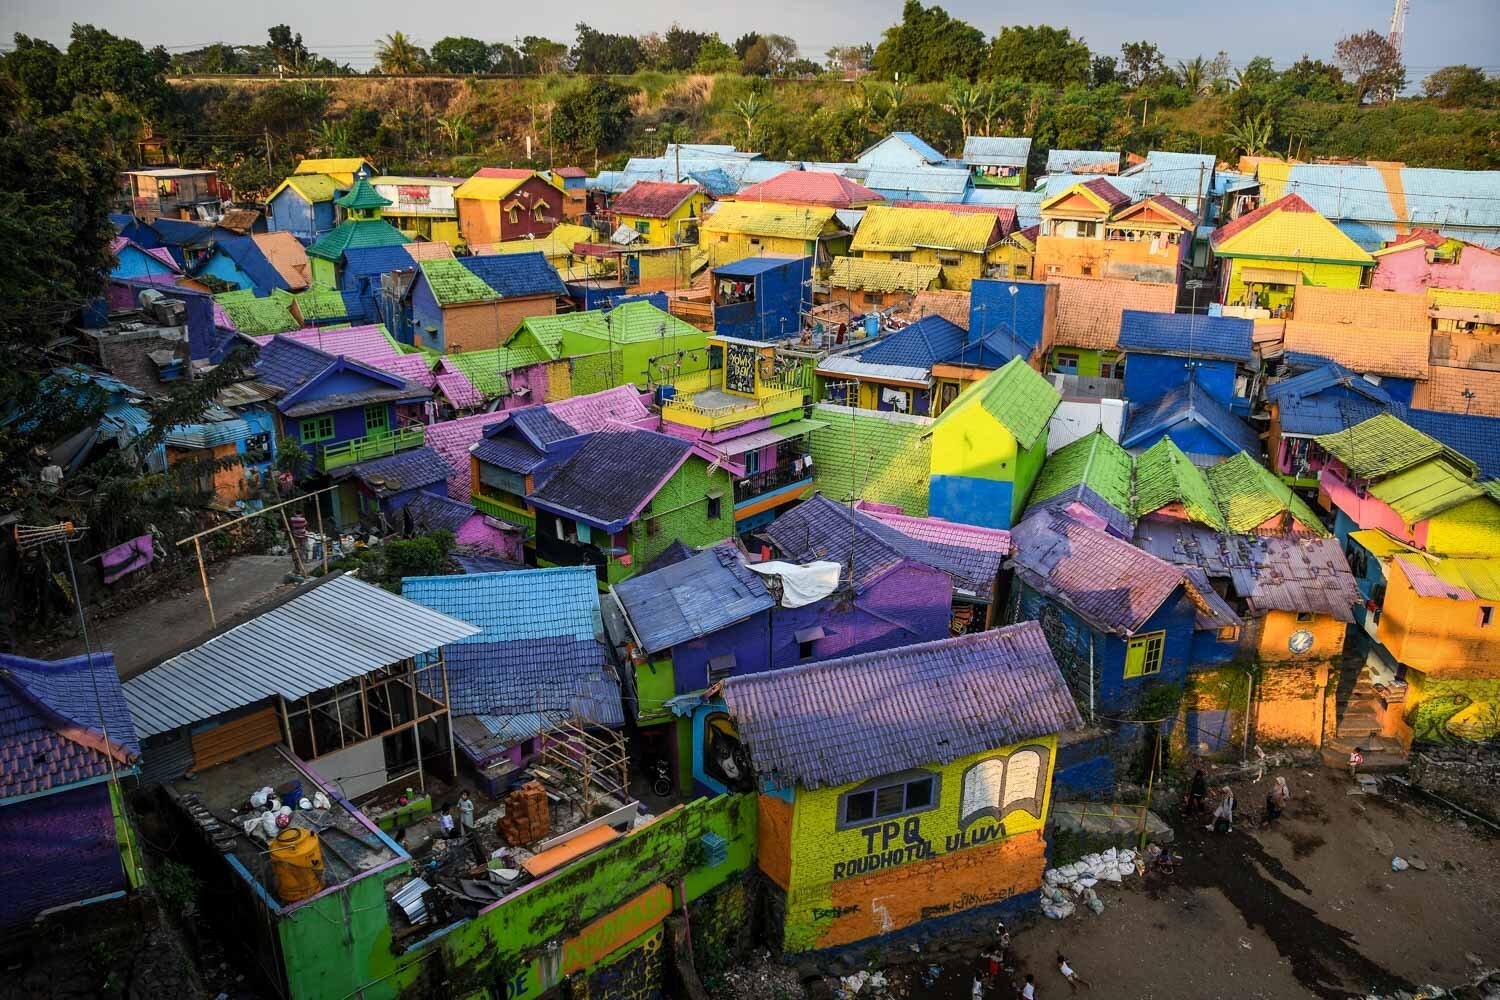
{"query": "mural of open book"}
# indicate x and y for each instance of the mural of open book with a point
(999, 786)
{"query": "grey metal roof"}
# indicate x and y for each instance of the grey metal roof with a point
(335, 632)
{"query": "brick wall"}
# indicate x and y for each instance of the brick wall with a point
(884, 458)
(680, 511)
(57, 849)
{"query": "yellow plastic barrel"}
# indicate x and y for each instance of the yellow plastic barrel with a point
(296, 864)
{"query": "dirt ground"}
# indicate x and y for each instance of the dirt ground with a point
(143, 634)
(1308, 908)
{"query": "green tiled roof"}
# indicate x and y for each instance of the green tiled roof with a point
(633, 322)
(259, 317)
(1015, 395)
(881, 457)
(1096, 461)
(362, 196)
(453, 284)
(356, 233)
(1426, 489)
(316, 303)
(1383, 445)
(1249, 495)
(1164, 476)
(487, 369)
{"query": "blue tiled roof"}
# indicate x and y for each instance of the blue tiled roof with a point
(820, 528)
(1188, 402)
(538, 649)
(995, 350)
(516, 275)
(715, 181)
(246, 254)
(400, 472)
(431, 512)
(1475, 437)
(287, 364)
(826, 724)
(1187, 336)
(505, 452)
(1313, 415)
(692, 598)
(541, 426)
(1311, 383)
(921, 345)
(749, 267)
(612, 477)
(182, 233)
(361, 262)
(51, 735)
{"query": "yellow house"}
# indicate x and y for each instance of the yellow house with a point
(661, 212)
(1279, 247)
(734, 230)
(1015, 256)
(863, 284)
(344, 170)
(867, 826)
(958, 242)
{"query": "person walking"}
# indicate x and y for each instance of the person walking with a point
(1028, 989)
(1276, 800)
(1073, 978)
(1356, 758)
(1223, 818)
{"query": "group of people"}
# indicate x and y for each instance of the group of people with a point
(456, 828)
(1222, 820)
(997, 963)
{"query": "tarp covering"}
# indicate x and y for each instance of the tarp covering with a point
(802, 585)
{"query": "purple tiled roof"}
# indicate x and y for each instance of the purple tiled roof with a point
(509, 454)
(50, 730)
(820, 528)
(405, 470)
(977, 551)
(451, 439)
(612, 477)
(287, 363)
(431, 512)
(830, 723)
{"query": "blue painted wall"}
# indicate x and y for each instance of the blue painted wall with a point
(990, 305)
(1149, 376)
(348, 425)
(1084, 770)
(780, 296)
(1193, 439)
(426, 315)
(137, 263)
(291, 214)
(58, 849)
(983, 502)
(221, 265)
(1399, 389)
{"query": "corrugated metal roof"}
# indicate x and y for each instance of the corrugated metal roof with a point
(692, 598)
(997, 150)
(919, 183)
(335, 632)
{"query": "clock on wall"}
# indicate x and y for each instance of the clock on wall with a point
(1301, 641)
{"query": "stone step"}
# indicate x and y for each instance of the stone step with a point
(1381, 753)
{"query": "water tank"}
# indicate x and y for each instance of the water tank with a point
(296, 865)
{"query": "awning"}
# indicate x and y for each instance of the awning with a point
(1270, 276)
(769, 436)
(812, 634)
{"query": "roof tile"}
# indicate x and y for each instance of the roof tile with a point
(1089, 310)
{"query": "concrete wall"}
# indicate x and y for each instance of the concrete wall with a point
(1074, 419)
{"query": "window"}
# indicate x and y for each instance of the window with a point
(1088, 230)
(723, 238)
(515, 214)
(1143, 654)
(376, 420)
(1304, 617)
(653, 527)
(642, 226)
(905, 255)
(315, 429)
(882, 798)
(1065, 362)
(715, 505)
(536, 211)
(720, 668)
(1229, 633)
(1054, 269)
(1486, 616)
(874, 298)
(754, 242)
(805, 649)
(949, 259)
(1000, 271)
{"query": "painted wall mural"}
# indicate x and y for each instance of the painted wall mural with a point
(1451, 711)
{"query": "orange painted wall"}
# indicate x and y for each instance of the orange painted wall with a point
(1095, 258)
(228, 483)
(1438, 636)
(774, 839)
(1279, 626)
(485, 325)
(1290, 704)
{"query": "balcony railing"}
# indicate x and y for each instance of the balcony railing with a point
(769, 481)
(336, 456)
(500, 512)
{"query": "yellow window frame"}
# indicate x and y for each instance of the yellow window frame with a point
(1144, 654)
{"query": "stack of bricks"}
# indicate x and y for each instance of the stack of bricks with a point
(526, 818)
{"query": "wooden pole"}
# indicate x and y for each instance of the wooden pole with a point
(416, 731)
(203, 575)
(286, 726)
(322, 538)
(452, 750)
(296, 555)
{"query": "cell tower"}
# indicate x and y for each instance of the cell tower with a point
(1397, 34)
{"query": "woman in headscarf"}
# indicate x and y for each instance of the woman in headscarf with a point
(1276, 800)
(1197, 795)
(1223, 820)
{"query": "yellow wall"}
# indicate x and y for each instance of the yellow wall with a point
(972, 443)
(1096, 258)
(664, 232)
(956, 276)
(1471, 528)
(1438, 636)
(1018, 262)
(845, 885)
(1278, 627)
(1323, 275)
(726, 248)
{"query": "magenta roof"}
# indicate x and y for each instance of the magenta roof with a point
(653, 199)
(451, 439)
(366, 344)
(811, 187)
(459, 390)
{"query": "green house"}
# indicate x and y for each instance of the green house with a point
(362, 227)
(634, 342)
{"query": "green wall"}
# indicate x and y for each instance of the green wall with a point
(1028, 466)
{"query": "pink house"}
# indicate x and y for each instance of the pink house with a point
(1426, 259)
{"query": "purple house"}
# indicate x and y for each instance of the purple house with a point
(58, 812)
(537, 662)
(385, 485)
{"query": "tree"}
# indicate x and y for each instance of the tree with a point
(460, 54)
(598, 52)
(1462, 86)
(1251, 136)
(1315, 80)
(502, 58)
(750, 108)
(398, 55)
(757, 58)
(1255, 73)
(783, 53)
(1371, 64)
(1039, 54)
(287, 49)
(743, 43)
(34, 68)
(1217, 72)
(964, 99)
(542, 55)
(593, 117)
(456, 131)
(929, 45)
(100, 64)
(850, 60)
(1193, 75)
(717, 57)
(1142, 62)
(682, 47)
(1103, 71)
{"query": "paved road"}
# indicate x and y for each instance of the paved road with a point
(142, 635)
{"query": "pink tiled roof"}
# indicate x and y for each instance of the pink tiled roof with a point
(1426, 583)
(509, 173)
(459, 390)
(367, 345)
(451, 439)
(571, 172)
(1112, 195)
(811, 187)
(653, 199)
(599, 410)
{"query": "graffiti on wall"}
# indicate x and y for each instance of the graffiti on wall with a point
(999, 786)
(1445, 712)
(636, 976)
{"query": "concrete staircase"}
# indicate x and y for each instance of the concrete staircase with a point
(1360, 707)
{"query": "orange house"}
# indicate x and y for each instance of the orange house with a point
(507, 203)
(1092, 230)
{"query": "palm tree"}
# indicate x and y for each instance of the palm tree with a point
(333, 137)
(1252, 136)
(749, 109)
(1194, 76)
(963, 103)
(455, 129)
(399, 55)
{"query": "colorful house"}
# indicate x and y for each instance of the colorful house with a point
(64, 827)
(1166, 350)
(527, 284)
(247, 262)
(537, 665)
(171, 193)
(519, 448)
(513, 376)
(505, 203)
(380, 488)
(761, 298)
(1092, 230)
(868, 285)
(623, 497)
(633, 343)
(810, 187)
(1280, 247)
(303, 206)
(1428, 259)
(421, 207)
(344, 170)
(131, 260)
(882, 457)
(1194, 419)
(1324, 400)
(663, 214)
(735, 230)
(900, 150)
(560, 249)
(958, 242)
(378, 277)
(362, 226)
(1015, 256)
(997, 160)
(943, 807)
(453, 309)
(1085, 340)
(988, 446)
(1093, 471)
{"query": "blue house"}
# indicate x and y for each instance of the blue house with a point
(761, 298)
(518, 276)
(1399, 388)
(1119, 620)
(1195, 420)
(1029, 313)
(60, 814)
(1167, 350)
(188, 243)
(383, 487)
(303, 206)
(1325, 400)
(901, 150)
(537, 665)
(240, 262)
(135, 261)
(363, 277)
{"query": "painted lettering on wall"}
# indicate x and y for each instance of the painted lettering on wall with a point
(739, 368)
(617, 928)
(887, 844)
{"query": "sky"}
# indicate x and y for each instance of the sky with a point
(1438, 32)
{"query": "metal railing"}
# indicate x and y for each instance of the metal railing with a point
(768, 482)
(336, 456)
